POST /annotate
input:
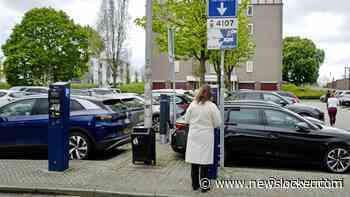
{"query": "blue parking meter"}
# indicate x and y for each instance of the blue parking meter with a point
(213, 169)
(58, 142)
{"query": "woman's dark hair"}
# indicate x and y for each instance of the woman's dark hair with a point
(204, 94)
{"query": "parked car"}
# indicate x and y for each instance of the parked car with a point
(101, 92)
(344, 98)
(273, 132)
(24, 125)
(31, 89)
(181, 100)
(303, 110)
(8, 96)
(289, 95)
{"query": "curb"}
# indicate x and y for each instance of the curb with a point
(77, 192)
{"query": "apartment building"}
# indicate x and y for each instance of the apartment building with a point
(262, 72)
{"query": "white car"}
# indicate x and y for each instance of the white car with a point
(344, 98)
(7, 96)
(31, 89)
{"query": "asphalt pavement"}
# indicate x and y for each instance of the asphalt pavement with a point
(343, 115)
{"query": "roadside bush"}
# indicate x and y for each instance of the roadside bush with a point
(4, 86)
(83, 85)
(132, 88)
(304, 92)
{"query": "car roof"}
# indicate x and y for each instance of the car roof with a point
(251, 103)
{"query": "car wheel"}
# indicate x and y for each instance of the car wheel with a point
(79, 146)
(337, 159)
(156, 123)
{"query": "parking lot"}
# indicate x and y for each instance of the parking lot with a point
(343, 115)
(113, 172)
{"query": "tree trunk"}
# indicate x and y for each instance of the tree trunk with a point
(114, 74)
(202, 69)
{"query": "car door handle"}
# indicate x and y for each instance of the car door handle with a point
(273, 136)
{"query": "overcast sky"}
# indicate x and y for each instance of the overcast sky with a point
(325, 22)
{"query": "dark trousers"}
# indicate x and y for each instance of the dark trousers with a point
(199, 174)
(332, 112)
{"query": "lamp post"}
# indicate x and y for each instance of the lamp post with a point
(148, 63)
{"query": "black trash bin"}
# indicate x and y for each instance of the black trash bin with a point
(143, 142)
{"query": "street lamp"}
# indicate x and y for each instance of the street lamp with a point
(148, 62)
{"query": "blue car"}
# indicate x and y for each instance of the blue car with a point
(24, 125)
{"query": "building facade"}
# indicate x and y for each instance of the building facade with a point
(262, 72)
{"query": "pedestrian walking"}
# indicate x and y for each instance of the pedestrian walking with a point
(332, 105)
(202, 116)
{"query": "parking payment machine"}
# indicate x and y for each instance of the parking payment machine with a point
(58, 142)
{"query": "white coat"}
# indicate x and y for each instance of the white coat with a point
(202, 119)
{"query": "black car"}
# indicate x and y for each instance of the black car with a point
(303, 110)
(270, 131)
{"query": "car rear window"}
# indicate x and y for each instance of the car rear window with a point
(133, 103)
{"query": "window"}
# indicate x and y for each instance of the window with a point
(41, 107)
(250, 10)
(251, 29)
(37, 90)
(76, 106)
(177, 66)
(253, 96)
(272, 98)
(133, 103)
(281, 119)
(2, 94)
(245, 116)
(20, 108)
(250, 66)
(118, 107)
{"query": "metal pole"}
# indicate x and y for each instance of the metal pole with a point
(171, 50)
(222, 110)
(148, 70)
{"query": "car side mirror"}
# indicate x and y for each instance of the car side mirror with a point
(303, 127)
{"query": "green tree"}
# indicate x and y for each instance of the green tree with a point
(96, 45)
(235, 57)
(189, 21)
(47, 46)
(301, 60)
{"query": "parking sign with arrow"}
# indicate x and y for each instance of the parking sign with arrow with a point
(222, 8)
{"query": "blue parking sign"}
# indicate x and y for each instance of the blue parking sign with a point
(222, 8)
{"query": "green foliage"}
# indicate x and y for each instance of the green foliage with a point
(188, 19)
(235, 57)
(96, 45)
(4, 86)
(47, 46)
(301, 60)
(83, 85)
(303, 92)
(133, 88)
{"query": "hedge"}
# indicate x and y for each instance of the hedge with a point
(133, 88)
(304, 92)
(4, 86)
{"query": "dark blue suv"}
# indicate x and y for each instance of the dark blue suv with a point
(24, 125)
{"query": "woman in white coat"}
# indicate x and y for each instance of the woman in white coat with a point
(202, 116)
